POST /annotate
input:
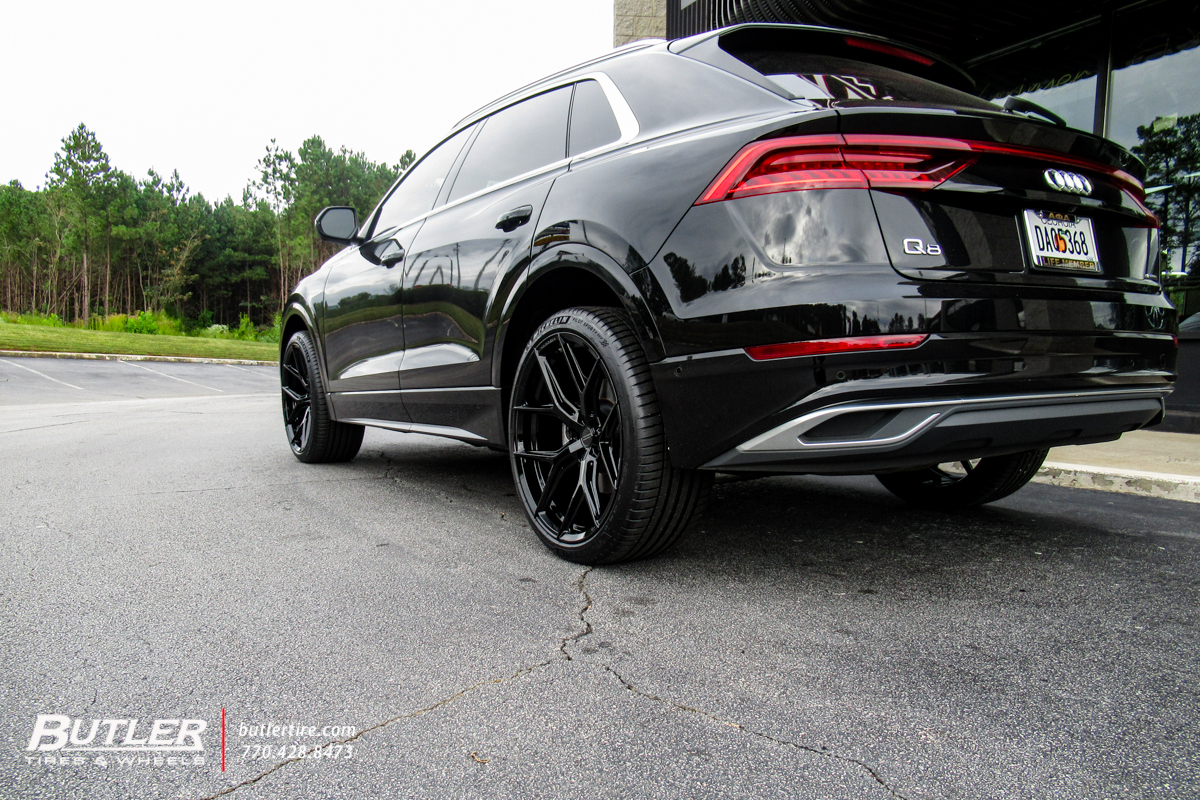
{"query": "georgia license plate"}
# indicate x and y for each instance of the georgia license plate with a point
(1061, 241)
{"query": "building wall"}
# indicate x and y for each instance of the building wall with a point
(638, 19)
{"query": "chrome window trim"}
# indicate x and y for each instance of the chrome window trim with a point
(551, 81)
(626, 122)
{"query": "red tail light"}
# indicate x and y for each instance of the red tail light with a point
(828, 162)
(867, 160)
(821, 347)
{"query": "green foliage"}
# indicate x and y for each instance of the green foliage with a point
(272, 332)
(246, 331)
(77, 340)
(1171, 149)
(113, 323)
(144, 322)
(49, 320)
(96, 242)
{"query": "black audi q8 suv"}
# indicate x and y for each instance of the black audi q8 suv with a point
(764, 249)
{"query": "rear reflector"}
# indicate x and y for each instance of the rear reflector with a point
(820, 347)
(861, 161)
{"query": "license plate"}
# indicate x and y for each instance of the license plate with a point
(1061, 241)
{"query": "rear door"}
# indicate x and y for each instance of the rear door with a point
(482, 232)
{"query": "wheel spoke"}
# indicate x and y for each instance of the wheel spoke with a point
(609, 423)
(542, 456)
(608, 461)
(302, 429)
(563, 408)
(967, 466)
(568, 516)
(573, 368)
(295, 396)
(297, 375)
(298, 410)
(590, 398)
(588, 487)
(558, 470)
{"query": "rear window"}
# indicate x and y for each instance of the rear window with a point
(836, 81)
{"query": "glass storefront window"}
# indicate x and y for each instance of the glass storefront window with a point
(1155, 111)
(1159, 89)
(1074, 100)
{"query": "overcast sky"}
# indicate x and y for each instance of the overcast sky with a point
(203, 87)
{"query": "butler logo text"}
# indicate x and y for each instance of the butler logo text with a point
(159, 741)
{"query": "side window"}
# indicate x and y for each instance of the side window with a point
(521, 138)
(593, 123)
(419, 188)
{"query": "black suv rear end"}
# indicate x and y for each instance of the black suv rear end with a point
(906, 276)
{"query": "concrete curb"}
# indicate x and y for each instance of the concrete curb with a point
(1125, 481)
(237, 362)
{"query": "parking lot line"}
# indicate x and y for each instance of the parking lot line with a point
(172, 377)
(42, 374)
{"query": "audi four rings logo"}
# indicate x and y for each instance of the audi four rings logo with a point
(1067, 181)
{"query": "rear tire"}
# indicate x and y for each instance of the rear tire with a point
(314, 436)
(587, 446)
(975, 483)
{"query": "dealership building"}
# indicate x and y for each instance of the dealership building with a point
(1127, 70)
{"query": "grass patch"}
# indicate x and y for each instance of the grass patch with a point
(77, 340)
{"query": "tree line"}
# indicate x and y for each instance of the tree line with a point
(96, 241)
(1170, 147)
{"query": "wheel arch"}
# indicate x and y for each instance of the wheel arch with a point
(565, 277)
(297, 316)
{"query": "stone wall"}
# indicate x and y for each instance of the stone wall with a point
(638, 19)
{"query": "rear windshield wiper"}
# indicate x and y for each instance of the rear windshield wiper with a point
(1015, 104)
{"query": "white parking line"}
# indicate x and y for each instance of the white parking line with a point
(172, 377)
(47, 377)
(252, 372)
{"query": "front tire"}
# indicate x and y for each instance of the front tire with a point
(314, 436)
(964, 484)
(587, 446)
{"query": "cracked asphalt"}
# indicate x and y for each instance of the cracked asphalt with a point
(166, 557)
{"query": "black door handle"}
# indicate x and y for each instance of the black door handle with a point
(514, 219)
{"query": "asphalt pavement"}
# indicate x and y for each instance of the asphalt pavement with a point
(166, 558)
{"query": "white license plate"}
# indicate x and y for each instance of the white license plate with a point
(1061, 241)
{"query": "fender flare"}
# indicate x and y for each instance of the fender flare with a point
(574, 255)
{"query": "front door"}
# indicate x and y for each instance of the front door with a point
(364, 334)
(363, 325)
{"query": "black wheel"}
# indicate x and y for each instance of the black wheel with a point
(314, 436)
(587, 446)
(961, 484)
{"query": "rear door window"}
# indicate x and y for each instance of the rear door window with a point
(593, 123)
(516, 140)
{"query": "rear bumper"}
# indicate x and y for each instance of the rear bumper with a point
(881, 436)
(954, 397)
